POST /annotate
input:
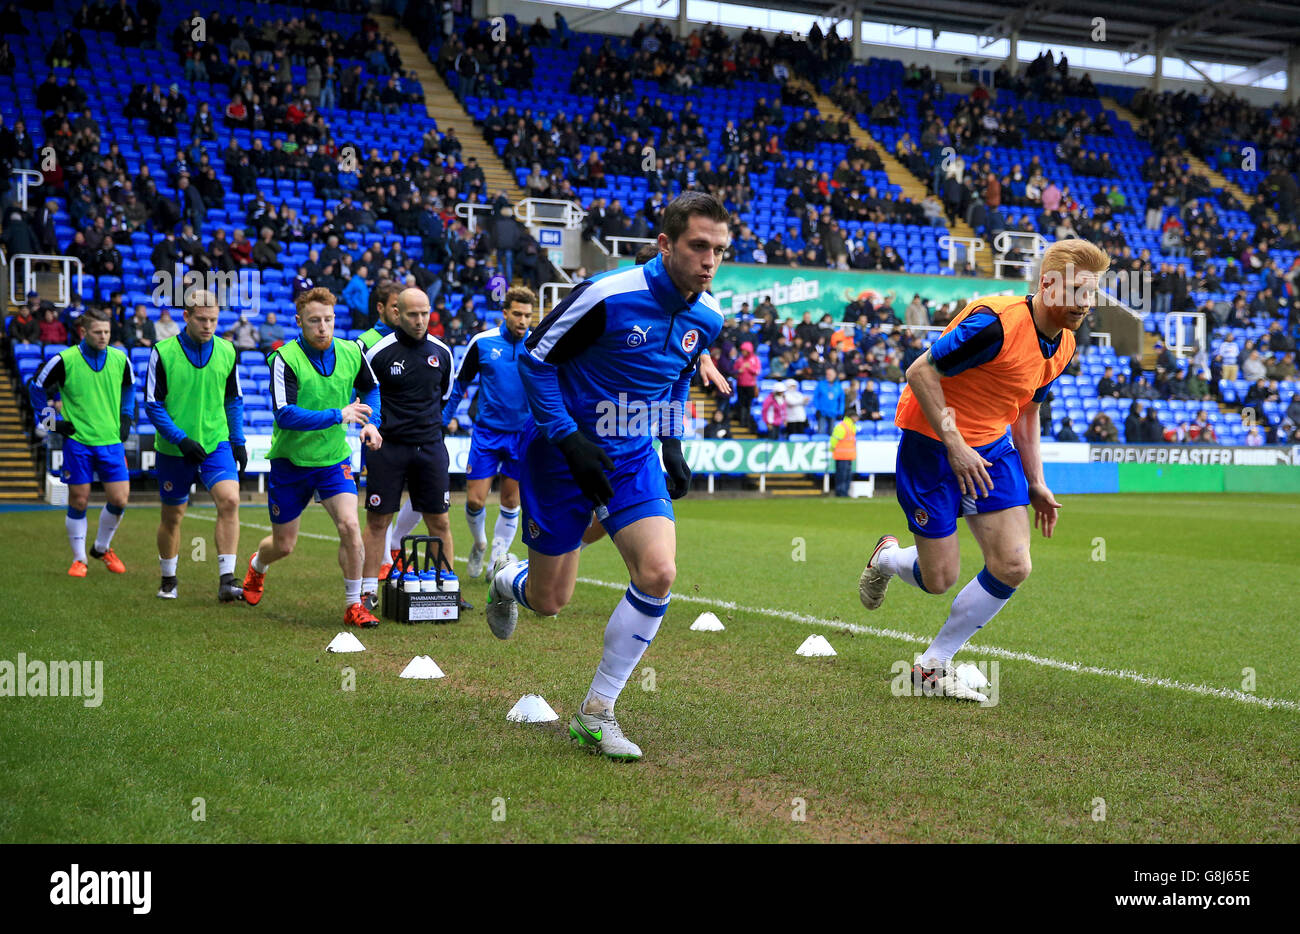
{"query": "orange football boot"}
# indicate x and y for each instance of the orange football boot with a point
(253, 584)
(357, 615)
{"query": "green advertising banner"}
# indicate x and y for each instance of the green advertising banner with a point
(796, 289)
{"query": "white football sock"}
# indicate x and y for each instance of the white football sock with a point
(225, 564)
(902, 563)
(258, 566)
(631, 629)
(75, 523)
(503, 535)
(405, 523)
(351, 591)
(511, 581)
(978, 602)
(370, 585)
(109, 517)
(168, 565)
(477, 524)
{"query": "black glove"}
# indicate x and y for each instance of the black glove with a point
(67, 429)
(241, 457)
(588, 463)
(193, 451)
(679, 475)
(126, 427)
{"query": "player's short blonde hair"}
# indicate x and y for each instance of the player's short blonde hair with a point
(200, 298)
(1074, 254)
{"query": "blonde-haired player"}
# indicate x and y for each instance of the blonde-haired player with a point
(969, 416)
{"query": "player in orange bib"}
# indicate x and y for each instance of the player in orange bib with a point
(986, 373)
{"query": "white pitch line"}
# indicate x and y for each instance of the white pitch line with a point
(993, 651)
(900, 636)
(264, 528)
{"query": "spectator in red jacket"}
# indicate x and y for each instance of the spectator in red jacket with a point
(52, 329)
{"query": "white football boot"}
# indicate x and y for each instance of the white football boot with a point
(601, 733)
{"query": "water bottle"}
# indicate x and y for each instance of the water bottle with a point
(428, 581)
(411, 582)
(449, 582)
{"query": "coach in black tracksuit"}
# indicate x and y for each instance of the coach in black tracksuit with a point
(414, 370)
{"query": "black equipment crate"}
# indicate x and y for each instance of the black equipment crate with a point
(426, 606)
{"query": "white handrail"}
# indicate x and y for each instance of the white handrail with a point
(552, 288)
(615, 241)
(1174, 331)
(29, 276)
(553, 211)
(972, 244)
(1002, 244)
(24, 184)
(471, 211)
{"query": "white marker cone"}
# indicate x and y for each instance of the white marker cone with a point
(423, 667)
(815, 647)
(345, 642)
(532, 708)
(707, 622)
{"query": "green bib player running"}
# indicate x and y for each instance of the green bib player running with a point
(97, 390)
(313, 380)
(196, 404)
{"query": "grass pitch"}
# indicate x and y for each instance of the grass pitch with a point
(243, 708)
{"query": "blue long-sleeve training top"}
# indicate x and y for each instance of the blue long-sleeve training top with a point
(615, 358)
(492, 358)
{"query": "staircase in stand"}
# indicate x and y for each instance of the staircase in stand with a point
(19, 475)
(1197, 164)
(776, 484)
(898, 173)
(441, 104)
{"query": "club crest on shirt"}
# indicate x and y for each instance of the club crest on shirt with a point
(374, 499)
(690, 340)
(921, 517)
(432, 360)
(533, 530)
(275, 509)
(638, 335)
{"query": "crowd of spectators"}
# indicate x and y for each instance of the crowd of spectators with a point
(418, 192)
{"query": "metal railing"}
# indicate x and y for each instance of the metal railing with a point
(615, 241)
(36, 180)
(28, 277)
(1174, 327)
(972, 246)
(471, 212)
(551, 291)
(553, 211)
(1007, 240)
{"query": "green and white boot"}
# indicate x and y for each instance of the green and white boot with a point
(601, 733)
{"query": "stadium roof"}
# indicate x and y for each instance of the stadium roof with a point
(1238, 32)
